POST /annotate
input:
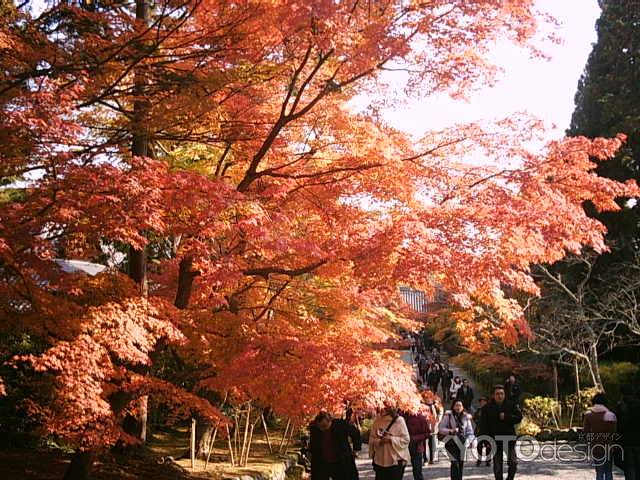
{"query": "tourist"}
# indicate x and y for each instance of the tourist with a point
(433, 417)
(465, 394)
(433, 379)
(512, 389)
(447, 378)
(456, 428)
(455, 386)
(600, 429)
(332, 455)
(389, 444)
(500, 418)
(419, 431)
(483, 443)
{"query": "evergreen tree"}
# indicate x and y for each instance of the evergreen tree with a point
(608, 103)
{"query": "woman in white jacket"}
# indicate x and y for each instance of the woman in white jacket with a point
(456, 430)
(455, 386)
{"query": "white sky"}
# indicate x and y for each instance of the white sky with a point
(543, 88)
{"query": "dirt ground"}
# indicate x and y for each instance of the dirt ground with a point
(153, 462)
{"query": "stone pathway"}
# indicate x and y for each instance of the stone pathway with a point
(549, 461)
(553, 462)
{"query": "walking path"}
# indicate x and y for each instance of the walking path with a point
(553, 461)
(546, 466)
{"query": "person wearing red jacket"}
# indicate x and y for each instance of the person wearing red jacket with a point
(419, 431)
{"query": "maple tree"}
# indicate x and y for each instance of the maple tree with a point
(263, 220)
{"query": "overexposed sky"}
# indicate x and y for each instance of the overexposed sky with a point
(543, 88)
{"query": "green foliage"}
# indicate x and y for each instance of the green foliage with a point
(614, 375)
(581, 402)
(489, 369)
(11, 195)
(528, 427)
(608, 103)
(542, 411)
(365, 428)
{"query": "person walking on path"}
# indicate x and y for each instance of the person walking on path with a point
(332, 456)
(499, 422)
(628, 414)
(456, 429)
(433, 417)
(433, 378)
(465, 395)
(419, 431)
(389, 444)
(455, 386)
(447, 378)
(512, 389)
(483, 443)
(600, 429)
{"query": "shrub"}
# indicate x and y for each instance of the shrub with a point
(365, 429)
(528, 427)
(581, 402)
(616, 374)
(542, 411)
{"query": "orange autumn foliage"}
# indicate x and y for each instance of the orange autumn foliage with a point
(219, 138)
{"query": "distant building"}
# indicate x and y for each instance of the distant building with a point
(416, 299)
(420, 302)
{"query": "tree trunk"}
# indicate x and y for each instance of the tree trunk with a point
(137, 427)
(205, 432)
(595, 367)
(138, 268)
(186, 275)
(80, 466)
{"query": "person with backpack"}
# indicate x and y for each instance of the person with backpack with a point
(456, 430)
(389, 444)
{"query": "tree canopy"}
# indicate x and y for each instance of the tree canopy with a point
(256, 223)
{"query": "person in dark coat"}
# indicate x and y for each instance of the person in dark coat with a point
(499, 422)
(419, 431)
(483, 444)
(332, 455)
(599, 429)
(465, 394)
(512, 389)
(447, 378)
(433, 378)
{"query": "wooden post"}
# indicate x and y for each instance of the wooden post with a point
(286, 445)
(577, 374)
(193, 443)
(233, 463)
(213, 439)
(284, 435)
(246, 455)
(266, 432)
(245, 436)
(555, 392)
